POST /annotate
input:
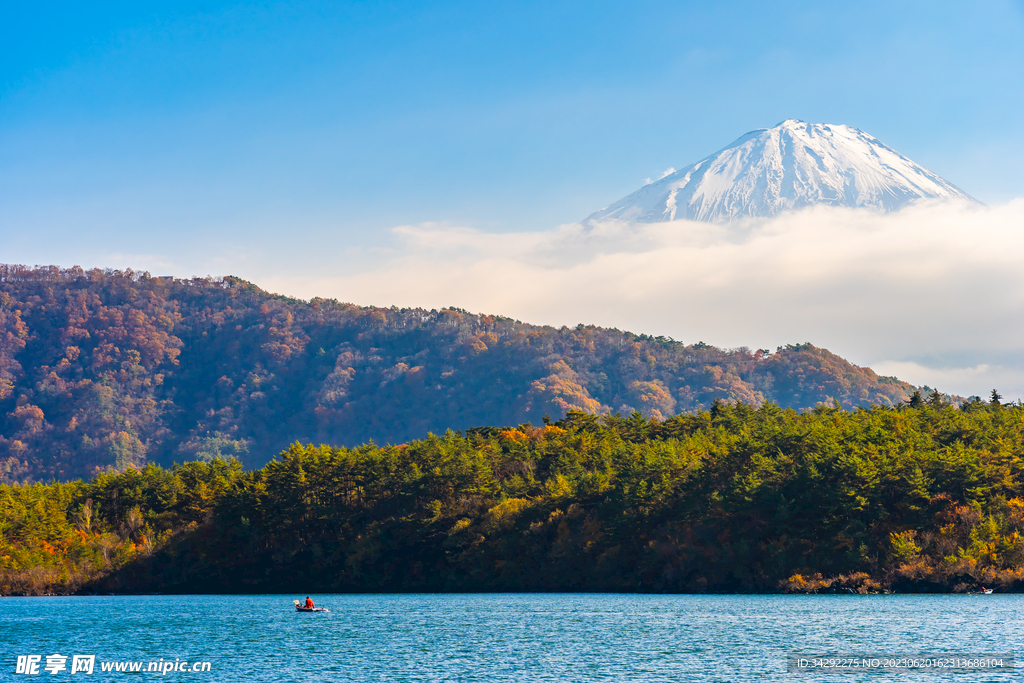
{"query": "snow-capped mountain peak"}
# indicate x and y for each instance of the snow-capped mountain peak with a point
(791, 166)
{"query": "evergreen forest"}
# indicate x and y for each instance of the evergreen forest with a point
(921, 496)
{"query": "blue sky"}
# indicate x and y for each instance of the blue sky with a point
(285, 142)
(343, 120)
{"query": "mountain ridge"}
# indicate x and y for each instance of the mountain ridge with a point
(108, 370)
(789, 166)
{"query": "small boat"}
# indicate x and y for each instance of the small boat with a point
(985, 591)
(300, 608)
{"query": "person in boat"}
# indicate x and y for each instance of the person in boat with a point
(309, 603)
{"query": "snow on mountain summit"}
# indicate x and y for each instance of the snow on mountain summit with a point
(790, 166)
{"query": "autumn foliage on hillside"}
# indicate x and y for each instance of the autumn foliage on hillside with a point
(103, 370)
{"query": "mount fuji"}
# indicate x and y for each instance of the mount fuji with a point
(790, 166)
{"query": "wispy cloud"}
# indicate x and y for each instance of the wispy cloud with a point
(667, 172)
(976, 380)
(919, 293)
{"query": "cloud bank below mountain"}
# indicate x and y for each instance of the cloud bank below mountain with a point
(933, 293)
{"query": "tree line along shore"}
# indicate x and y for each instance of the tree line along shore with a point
(920, 497)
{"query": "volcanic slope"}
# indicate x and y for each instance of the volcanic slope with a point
(791, 166)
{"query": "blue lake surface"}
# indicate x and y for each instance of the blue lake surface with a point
(505, 637)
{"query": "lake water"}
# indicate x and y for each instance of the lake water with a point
(503, 637)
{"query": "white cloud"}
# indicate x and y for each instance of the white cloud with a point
(667, 172)
(933, 294)
(982, 378)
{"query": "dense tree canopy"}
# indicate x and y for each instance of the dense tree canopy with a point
(736, 498)
(101, 371)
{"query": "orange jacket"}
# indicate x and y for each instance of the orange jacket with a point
(309, 603)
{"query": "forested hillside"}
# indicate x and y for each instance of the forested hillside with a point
(106, 370)
(923, 497)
